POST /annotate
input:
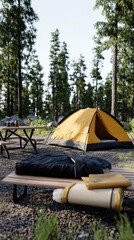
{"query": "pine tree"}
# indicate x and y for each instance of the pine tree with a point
(63, 83)
(53, 75)
(96, 72)
(78, 78)
(36, 91)
(18, 37)
(119, 17)
(58, 77)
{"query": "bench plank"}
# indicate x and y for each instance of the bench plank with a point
(15, 179)
(5, 143)
(50, 182)
(3, 147)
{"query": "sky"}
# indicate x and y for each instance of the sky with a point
(75, 21)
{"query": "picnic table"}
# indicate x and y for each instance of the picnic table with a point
(26, 135)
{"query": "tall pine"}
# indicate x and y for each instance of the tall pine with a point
(58, 77)
(16, 45)
(78, 79)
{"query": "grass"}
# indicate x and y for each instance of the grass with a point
(124, 230)
(2, 206)
(126, 159)
(47, 228)
(40, 122)
(125, 156)
(16, 237)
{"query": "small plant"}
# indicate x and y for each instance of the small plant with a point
(127, 159)
(46, 227)
(122, 156)
(16, 237)
(124, 228)
(3, 206)
(132, 125)
(125, 156)
(127, 126)
(100, 233)
(40, 122)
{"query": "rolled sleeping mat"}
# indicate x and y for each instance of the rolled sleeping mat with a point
(77, 193)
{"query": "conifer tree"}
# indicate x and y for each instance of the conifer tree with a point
(58, 77)
(96, 71)
(16, 45)
(119, 17)
(36, 91)
(78, 79)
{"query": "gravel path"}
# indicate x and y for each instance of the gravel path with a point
(17, 221)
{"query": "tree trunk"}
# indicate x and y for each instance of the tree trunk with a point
(114, 82)
(133, 101)
(19, 69)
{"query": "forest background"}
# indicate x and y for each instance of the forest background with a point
(23, 89)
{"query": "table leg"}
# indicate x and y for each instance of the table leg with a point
(16, 198)
(29, 139)
(6, 150)
(9, 133)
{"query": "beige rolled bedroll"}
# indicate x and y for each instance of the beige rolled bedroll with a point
(107, 191)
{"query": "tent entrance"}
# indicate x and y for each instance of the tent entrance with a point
(101, 131)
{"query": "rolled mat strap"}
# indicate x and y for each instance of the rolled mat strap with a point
(119, 195)
(64, 196)
(111, 198)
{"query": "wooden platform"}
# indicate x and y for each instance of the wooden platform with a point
(3, 146)
(15, 179)
(50, 182)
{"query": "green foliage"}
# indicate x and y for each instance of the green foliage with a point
(132, 125)
(19, 64)
(110, 34)
(39, 122)
(46, 227)
(127, 126)
(36, 88)
(99, 232)
(125, 156)
(125, 159)
(78, 83)
(16, 237)
(17, 52)
(125, 229)
(59, 101)
(2, 206)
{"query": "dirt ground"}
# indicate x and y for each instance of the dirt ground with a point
(19, 219)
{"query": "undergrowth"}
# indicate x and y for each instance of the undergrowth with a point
(47, 228)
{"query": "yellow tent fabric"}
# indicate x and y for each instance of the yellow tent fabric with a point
(90, 129)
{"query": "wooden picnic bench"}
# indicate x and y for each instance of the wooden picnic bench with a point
(50, 182)
(6, 133)
(3, 146)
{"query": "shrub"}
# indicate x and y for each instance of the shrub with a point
(132, 125)
(46, 227)
(39, 122)
(127, 126)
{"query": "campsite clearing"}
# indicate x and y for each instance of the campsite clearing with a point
(19, 219)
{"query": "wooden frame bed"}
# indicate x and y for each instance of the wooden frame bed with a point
(50, 182)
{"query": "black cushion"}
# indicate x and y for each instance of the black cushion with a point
(61, 165)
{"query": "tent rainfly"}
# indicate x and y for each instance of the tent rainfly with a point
(90, 129)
